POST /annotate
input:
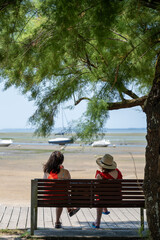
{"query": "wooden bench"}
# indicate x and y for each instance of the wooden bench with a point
(91, 193)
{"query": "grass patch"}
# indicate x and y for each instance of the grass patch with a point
(20, 234)
(11, 231)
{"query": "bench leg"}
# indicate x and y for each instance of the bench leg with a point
(33, 206)
(36, 216)
(142, 218)
(32, 220)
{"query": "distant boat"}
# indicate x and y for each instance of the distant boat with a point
(101, 143)
(60, 141)
(5, 143)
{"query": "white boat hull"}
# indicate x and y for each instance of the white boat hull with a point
(5, 143)
(60, 141)
(101, 143)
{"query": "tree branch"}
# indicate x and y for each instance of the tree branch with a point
(94, 48)
(117, 69)
(127, 103)
(129, 93)
(88, 62)
(154, 4)
(85, 10)
(80, 99)
(120, 105)
(121, 96)
(119, 35)
(5, 4)
(116, 39)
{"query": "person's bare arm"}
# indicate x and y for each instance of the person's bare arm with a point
(69, 176)
(98, 176)
(66, 174)
(45, 176)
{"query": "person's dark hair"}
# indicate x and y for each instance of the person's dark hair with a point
(107, 170)
(54, 162)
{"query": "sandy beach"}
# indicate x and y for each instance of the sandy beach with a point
(21, 163)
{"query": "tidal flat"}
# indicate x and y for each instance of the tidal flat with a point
(24, 159)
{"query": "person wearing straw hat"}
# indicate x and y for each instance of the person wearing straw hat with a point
(109, 170)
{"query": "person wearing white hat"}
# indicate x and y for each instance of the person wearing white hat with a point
(109, 170)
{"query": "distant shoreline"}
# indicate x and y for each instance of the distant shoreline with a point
(105, 130)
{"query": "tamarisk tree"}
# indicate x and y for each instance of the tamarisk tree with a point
(104, 52)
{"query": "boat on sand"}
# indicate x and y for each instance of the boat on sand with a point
(5, 143)
(60, 141)
(101, 143)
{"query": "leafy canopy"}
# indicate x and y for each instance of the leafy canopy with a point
(102, 52)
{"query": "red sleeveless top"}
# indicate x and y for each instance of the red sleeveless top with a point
(106, 175)
(53, 175)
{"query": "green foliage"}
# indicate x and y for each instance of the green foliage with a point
(93, 120)
(55, 50)
(144, 234)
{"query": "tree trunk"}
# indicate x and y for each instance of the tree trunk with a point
(152, 168)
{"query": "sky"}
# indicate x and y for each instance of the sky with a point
(15, 110)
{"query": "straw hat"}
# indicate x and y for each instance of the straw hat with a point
(106, 162)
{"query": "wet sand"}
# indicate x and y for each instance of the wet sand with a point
(21, 163)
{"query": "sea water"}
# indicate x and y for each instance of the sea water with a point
(127, 136)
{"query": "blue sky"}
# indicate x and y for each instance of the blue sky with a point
(15, 109)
